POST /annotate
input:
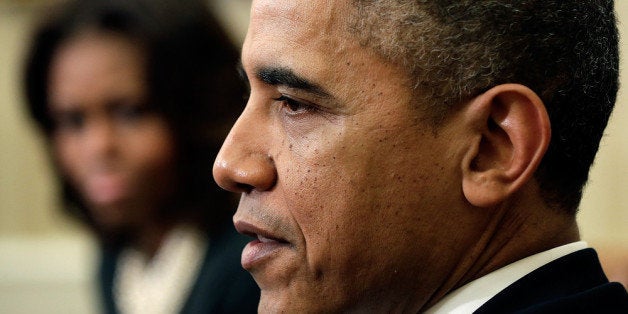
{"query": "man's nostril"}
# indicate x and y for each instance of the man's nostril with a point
(243, 187)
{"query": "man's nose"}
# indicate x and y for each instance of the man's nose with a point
(244, 163)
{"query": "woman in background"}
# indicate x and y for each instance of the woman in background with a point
(135, 97)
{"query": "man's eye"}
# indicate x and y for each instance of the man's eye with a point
(294, 107)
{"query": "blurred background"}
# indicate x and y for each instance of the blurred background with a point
(46, 260)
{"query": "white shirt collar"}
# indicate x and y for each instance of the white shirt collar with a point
(163, 283)
(471, 296)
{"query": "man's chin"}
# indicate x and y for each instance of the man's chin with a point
(293, 299)
(285, 302)
(274, 275)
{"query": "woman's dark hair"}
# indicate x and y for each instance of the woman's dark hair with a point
(192, 83)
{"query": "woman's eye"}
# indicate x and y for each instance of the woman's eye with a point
(72, 120)
(130, 113)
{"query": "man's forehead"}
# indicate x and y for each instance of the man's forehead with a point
(311, 41)
(300, 15)
(304, 35)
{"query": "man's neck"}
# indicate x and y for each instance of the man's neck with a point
(516, 230)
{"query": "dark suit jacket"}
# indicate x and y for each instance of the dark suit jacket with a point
(222, 285)
(574, 283)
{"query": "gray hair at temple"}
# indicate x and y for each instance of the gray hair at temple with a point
(564, 50)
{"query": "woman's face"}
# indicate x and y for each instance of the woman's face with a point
(116, 151)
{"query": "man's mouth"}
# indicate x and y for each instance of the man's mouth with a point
(263, 247)
(264, 239)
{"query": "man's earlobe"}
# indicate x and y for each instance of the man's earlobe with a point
(513, 133)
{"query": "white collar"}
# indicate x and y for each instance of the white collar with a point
(162, 284)
(471, 296)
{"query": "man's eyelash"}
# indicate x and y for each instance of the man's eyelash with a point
(295, 105)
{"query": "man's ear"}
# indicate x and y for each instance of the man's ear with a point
(511, 135)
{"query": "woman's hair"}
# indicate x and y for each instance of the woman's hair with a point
(192, 83)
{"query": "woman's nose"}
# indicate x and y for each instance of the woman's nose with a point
(100, 138)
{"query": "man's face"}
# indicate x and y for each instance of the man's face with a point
(349, 192)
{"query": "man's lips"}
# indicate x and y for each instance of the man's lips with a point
(264, 246)
(256, 232)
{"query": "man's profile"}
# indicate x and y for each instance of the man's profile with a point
(411, 156)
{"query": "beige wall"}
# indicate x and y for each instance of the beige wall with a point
(604, 210)
(27, 200)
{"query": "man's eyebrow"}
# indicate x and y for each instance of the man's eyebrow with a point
(286, 77)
